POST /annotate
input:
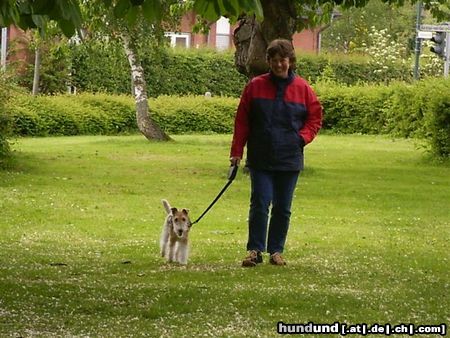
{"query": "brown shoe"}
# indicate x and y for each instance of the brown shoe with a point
(277, 259)
(254, 257)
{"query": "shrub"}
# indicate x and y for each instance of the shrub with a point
(107, 114)
(194, 73)
(72, 115)
(439, 126)
(5, 120)
(358, 109)
(103, 67)
(437, 116)
(420, 110)
(193, 114)
(100, 66)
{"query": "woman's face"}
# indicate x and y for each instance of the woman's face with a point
(279, 66)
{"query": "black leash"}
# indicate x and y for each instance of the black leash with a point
(231, 175)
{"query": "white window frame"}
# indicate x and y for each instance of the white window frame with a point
(223, 30)
(173, 38)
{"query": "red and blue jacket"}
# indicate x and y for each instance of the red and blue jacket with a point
(276, 118)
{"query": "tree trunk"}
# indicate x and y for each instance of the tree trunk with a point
(146, 125)
(251, 38)
(37, 68)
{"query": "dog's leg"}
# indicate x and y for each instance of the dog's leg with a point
(164, 239)
(177, 251)
(172, 242)
(182, 252)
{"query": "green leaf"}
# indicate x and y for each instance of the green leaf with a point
(121, 9)
(42, 6)
(26, 22)
(39, 20)
(258, 10)
(67, 27)
(8, 15)
(132, 14)
(24, 8)
(208, 9)
(152, 10)
(229, 7)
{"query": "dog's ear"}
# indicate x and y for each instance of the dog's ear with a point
(185, 211)
(174, 210)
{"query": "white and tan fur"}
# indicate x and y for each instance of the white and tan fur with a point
(174, 236)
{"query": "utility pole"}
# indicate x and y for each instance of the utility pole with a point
(447, 54)
(418, 46)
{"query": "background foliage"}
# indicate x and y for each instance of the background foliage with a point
(5, 120)
(102, 67)
(419, 110)
(350, 32)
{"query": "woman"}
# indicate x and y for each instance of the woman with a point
(277, 116)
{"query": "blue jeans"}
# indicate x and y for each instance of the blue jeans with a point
(276, 188)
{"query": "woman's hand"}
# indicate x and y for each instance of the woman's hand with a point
(235, 160)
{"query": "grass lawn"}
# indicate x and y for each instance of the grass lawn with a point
(80, 219)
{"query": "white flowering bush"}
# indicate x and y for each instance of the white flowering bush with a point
(385, 53)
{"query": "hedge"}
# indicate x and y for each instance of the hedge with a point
(5, 121)
(72, 115)
(420, 110)
(90, 114)
(103, 67)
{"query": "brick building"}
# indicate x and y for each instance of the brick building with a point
(13, 46)
(220, 36)
(14, 41)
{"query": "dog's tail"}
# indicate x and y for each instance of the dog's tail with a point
(166, 206)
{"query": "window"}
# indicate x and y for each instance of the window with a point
(223, 34)
(179, 39)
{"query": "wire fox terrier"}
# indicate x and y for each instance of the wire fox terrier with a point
(174, 236)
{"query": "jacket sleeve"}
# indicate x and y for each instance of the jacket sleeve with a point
(313, 122)
(241, 124)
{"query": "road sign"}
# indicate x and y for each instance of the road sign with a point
(435, 28)
(425, 35)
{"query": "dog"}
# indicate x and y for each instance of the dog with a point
(174, 236)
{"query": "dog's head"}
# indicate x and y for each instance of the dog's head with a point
(181, 222)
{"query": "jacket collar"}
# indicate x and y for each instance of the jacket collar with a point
(282, 81)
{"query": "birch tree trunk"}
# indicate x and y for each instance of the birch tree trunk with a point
(146, 125)
(252, 38)
(37, 69)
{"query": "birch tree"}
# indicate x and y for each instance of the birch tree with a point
(132, 25)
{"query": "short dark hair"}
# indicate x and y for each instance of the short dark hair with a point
(283, 48)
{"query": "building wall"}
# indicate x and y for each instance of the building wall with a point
(306, 41)
(18, 42)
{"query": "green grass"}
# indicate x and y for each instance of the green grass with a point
(80, 219)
